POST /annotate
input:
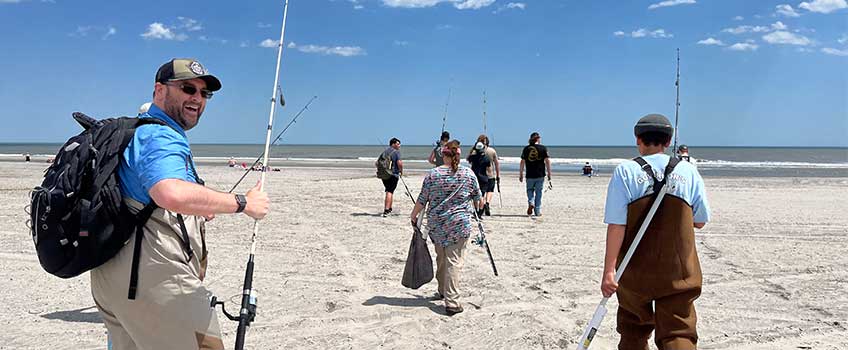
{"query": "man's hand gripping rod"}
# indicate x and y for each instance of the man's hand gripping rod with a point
(601, 310)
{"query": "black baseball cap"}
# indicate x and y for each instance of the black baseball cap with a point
(185, 69)
(653, 123)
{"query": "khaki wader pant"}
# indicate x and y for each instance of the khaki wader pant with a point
(171, 309)
(449, 261)
(664, 271)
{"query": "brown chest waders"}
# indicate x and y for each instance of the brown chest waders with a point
(660, 189)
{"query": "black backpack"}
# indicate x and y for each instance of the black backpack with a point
(479, 163)
(78, 219)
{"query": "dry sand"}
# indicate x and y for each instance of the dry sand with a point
(328, 268)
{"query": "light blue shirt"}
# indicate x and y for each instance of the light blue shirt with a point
(629, 183)
(156, 152)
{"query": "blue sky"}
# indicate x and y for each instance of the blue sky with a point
(753, 73)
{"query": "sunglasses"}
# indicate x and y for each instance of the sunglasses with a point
(191, 90)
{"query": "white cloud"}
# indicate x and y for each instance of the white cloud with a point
(843, 39)
(270, 43)
(787, 38)
(189, 24)
(473, 4)
(711, 41)
(244, 44)
(786, 10)
(755, 29)
(358, 7)
(9, 1)
(109, 32)
(459, 4)
(400, 43)
(743, 47)
(158, 30)
(835, 52)
(516, 5)
(444, 27)
(824, 6)
(738, 18)
(263, 25)
(345, 51)
(643, 33)
(668, 3)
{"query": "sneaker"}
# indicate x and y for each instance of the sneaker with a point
(386, 212)
(486, 210)
(530, 209)
(480, 213)
(450, 311)
(438, 296)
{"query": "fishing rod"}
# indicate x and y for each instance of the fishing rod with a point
(601, 310)
(485, 131)
(247, 311)
(294, 119)
(492, 139)
(481, 241)
(676, 103)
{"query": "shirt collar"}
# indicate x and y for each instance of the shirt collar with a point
(155, 112)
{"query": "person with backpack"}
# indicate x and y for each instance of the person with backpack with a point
(436, 155)
(448, 190)
(480, 164)
(389, 170)
(168, 308)
(535, 158)
(657, 290)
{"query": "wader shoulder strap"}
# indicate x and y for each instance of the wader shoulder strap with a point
(141, 219)
(672, 163)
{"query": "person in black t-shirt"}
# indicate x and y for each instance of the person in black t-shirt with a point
(535, 158)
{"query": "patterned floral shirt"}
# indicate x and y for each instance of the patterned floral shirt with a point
(449, 195)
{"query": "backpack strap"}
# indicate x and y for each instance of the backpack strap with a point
(141, 219)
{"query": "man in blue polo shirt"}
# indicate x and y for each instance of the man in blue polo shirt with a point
(169, 309)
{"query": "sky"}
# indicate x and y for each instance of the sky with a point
(752, 73)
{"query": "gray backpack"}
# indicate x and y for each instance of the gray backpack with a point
(384, 166)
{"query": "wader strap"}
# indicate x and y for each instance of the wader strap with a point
(672, 163)
(185, 240)
(141, 219)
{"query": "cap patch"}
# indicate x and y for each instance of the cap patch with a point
(197, 68)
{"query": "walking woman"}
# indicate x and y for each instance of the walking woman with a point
(449, 190)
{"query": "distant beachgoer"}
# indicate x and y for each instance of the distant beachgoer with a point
(390, 184)
(232, 162)
(143, 108)
(448, 189)
(683, 154)
(27, 157)
(493, 171)
(480, 162)
(587, 170)
(244, 165)
(658, 287)
(169, 308)
(436, 155)
(535, 157)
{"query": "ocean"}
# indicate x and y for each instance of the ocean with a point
(711, 161)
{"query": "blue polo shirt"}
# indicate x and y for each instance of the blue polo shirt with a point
(629, 183)
(156, 153)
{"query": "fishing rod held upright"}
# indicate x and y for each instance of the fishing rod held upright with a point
(247, 311)
(676, 104)
(294, 119)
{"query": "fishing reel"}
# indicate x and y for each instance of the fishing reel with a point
(251, 309)
(479, 240)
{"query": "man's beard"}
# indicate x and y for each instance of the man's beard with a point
(174, 109)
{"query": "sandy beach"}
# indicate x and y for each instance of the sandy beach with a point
(328, 268)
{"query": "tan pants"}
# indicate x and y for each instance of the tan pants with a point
(449, 262)
(171, 309)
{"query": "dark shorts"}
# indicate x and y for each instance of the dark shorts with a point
(390, 184)
(486, 185)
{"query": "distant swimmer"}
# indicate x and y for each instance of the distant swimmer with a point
(587, 170)
(436, 155)
(683, 154)
(27, 157)
(143, 108)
